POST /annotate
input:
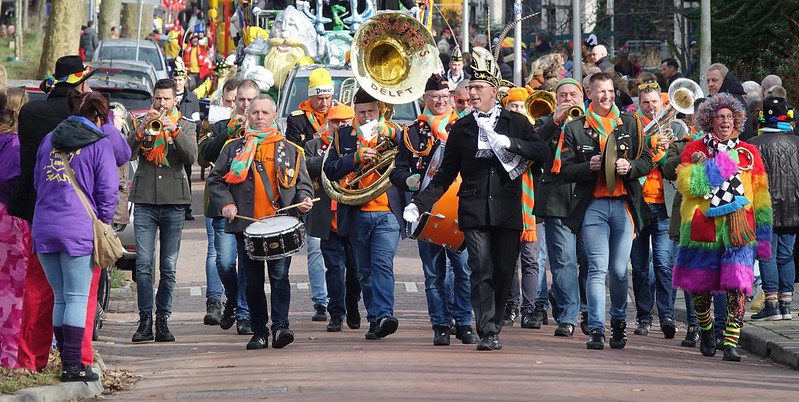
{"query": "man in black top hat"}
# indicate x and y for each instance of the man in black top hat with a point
(490, 149)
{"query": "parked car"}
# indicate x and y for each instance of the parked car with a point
(31, 87)
(139, 72)
(125, 49)
(295, 90)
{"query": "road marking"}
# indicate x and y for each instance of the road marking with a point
(195, 291)
(303, 285)
(410, 287)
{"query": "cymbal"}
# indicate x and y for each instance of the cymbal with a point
(609, 161)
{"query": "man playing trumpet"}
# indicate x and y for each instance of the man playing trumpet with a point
(161, 194)
(254, 176)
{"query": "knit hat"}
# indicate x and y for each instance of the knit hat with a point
(517, 94)
(776, 110)
(340, 112)
(436, 82)
(320, 83)
(567, 81)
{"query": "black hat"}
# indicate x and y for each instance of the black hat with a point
(436, 82)
(69, 71)
(776, 110)
(457, 55)
(363, 97)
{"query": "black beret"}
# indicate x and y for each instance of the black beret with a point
(363, 97)
(436, 82)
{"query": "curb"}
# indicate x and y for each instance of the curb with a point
(123, 293)
(66, 391)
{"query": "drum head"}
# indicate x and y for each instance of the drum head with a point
(272, 224)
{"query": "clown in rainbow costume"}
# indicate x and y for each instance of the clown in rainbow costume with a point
(726, 219)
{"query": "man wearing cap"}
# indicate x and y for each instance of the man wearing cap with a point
(303, 125)
(424, 136)
(779, 147)
(455, 74)
(607, 214)
(36, 120)
(490, 149)
(553, 205)
(373, 227)
(341, 274)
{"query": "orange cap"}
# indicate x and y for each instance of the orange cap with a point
(340, 112)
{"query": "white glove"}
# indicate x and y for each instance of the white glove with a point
(413, 182)
(503, 141)
(411, 213)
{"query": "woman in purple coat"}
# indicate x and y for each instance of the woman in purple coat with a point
(14, 232)
(63, 235)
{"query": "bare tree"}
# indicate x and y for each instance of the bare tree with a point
(130, 18)
(110, 11)
(62, 35)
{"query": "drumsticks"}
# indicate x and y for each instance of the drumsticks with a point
(247, 218)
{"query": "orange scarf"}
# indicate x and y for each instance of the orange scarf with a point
(160, 148)
(317, 119)
(243, 160)
(438, 123)
(528, 201)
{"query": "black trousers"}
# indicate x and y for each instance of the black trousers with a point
(492, 257)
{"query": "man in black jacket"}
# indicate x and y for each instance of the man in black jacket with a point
(490, 149)
(606, 213)
(779, 147)
(721, 79)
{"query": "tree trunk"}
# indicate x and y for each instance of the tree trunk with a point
(19, 32)
(62, 35)
(130, 18)
(110, 11)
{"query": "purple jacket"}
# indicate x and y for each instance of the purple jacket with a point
(9, 165)
(60, 222)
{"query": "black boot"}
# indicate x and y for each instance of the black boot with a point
(145, 330)
(162, 333)
(731, 354)
(213, 312)
(691, 337)
(466, 334)
(707, 343)
(228, 316)
(78, 373)
(618, 334)
(441, 335)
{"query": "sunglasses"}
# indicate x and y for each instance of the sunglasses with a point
(653, 85)
(461, 100)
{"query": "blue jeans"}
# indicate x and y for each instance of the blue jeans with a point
(213, 290)
(375, 246)
(779, 271)
(562, 251)
(70, 278)
(542, 299)
(168, 220)
(280, 297)
(235, 282)
(340, 275)
(608, 237)
(316, 271)
(656, 234)
(435, 260)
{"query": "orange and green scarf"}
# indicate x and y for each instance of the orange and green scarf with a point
(158, 152)
(528, 202)
(317, 119)
(438, 123)
(658, 155)
(243, 160)
(604, 125)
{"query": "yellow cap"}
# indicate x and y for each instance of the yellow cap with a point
(320, 83)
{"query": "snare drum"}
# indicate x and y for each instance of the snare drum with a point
(274, 238)
(440, 225)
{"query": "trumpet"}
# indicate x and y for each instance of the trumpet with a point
(154, 127)
(575, 112)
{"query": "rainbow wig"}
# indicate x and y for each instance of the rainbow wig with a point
(703, 118)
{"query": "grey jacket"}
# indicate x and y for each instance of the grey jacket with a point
(161, 184)
(242, 194)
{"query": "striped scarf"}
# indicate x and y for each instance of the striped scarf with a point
(438, 123)
(603, 125)
(158, 152)
(243, 160)
(652, 140)
(384, 130)
(528, 201)
(317, 119)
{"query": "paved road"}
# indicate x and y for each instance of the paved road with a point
(206, 363)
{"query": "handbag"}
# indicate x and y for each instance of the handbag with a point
(107, 246)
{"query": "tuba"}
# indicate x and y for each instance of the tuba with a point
(392, 57)
(682, 94)
(539, 104)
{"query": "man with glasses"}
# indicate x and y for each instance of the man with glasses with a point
(490, 149)
(460, 99)
(429, 131)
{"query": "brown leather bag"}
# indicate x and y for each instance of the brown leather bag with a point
(107, 246)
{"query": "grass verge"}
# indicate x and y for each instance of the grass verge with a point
(32, 52)
(14, 380)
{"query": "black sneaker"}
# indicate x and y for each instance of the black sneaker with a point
(370, 334)
(145, 331)
(618, 334)
(643, 328)
(596, 340)
(691, 337)
(511, 313)
(283, 337)
(531, 319)
(80, 372)
(466, 334)
(496, 344)
(484, 343)
(162, 333)
(244, 326)
(213, 312)
(228, 315)
(564, 329)
(320, 313)
(770, 312)
(386, 326)
(669, 327)
(334, 325)
(353, 319)
(258, 341)
(441, 336)
(583, 322)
